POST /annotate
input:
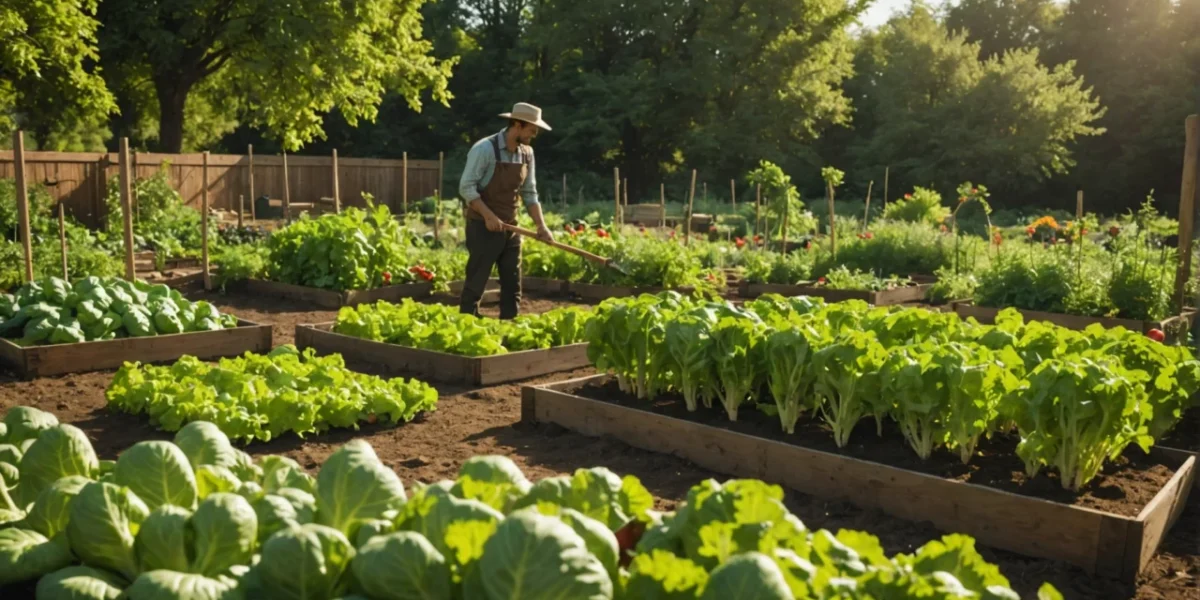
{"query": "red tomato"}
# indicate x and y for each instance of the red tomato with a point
(1156, 335)
(387, 277)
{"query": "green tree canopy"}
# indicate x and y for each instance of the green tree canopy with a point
(279, 66)
(941, 115)
(1003, 25)
(48, 81)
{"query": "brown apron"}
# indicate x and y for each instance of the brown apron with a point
(496, 249)
(502, 193)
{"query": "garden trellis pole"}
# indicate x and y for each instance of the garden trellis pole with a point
(1079, 205)
(23, 202)
(287, 193)
(832, 222)
(62, 239)
(887, 171)
(867, 210)
(204, 222)
(253, 209)
(127, 206)
(687, 226)
(1187, 205)
(337, 199)
(733, 193)
(758, 209)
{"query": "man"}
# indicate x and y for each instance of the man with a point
(498, 173)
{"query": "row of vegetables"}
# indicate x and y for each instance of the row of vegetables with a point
(444, 329)
(1075, 399)
(55, 311)
(196, 518)
(261, 397)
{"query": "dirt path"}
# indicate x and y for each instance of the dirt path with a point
(474, 421)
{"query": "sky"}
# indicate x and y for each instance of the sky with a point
(881, 11)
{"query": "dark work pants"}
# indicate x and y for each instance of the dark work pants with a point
(486, 248)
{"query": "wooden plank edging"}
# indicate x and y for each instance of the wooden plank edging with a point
(910, 293)
(333, 300)
(987, 315)
(61, 359)
(441, 366)
(1099, 542)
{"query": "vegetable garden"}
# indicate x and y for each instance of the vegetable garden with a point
(945, 379)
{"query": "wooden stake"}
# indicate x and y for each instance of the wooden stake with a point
(867, 210)
(617, 195)
(758, 209)
(287, 193)
(662, 205)
(832, 223)
(1079, 205)
(253, 209)
(127, 207)
(733, 193)
(337, 199)
(62, 240)
(1187, 204)
(137, 206)
(23, 202)
(241, 209)
(441, 177)
(687, 226)
(886, 171)
(784, 233)
(437, 215)
(404, 185)
(204, 222)
(625, 192)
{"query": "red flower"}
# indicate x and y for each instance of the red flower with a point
(908, 196)
(868, 236)
(1029, 231)
(739, 242)
(1114, 231)
(387, 277)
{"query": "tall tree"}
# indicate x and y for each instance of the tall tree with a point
(48, 80)
(1003, 25)
(277, 65)
(941, 116)
(1136, 59)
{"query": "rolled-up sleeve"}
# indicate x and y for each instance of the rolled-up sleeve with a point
(529, 188)
(474, 171)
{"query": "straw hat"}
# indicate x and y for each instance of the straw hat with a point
(527, 113)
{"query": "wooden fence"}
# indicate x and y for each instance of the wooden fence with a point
(80, 179)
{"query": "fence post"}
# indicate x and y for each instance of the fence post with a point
(204, 222)
(253, 208)
(127, 207)
(287, 193)
(1187, 204)
(23, 202)
(337, 199)
(687, 227)
(62, 239)
(241, 209)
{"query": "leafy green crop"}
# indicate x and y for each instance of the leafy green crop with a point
(260, 397)
(945, 382)
(444, 329)
(52, 311)
(275, 532)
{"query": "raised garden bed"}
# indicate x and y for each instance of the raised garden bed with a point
(985, 314)
(901, 295)
(1112, 530)
(44, 361)
(440, 366)
(597, 292)
(532, 285)
(332, 299)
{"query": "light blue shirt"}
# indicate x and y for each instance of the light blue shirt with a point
(481, 165)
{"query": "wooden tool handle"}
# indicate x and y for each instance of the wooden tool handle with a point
(556, 244)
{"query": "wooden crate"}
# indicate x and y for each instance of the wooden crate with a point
(44, 361)
(440, 366)
(911, 293)
(1099, 542)
(987, 315)
(332, 299)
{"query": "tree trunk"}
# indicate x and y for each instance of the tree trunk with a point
(172, 97)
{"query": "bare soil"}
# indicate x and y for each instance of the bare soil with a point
(1125, 486)
(475, 421)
